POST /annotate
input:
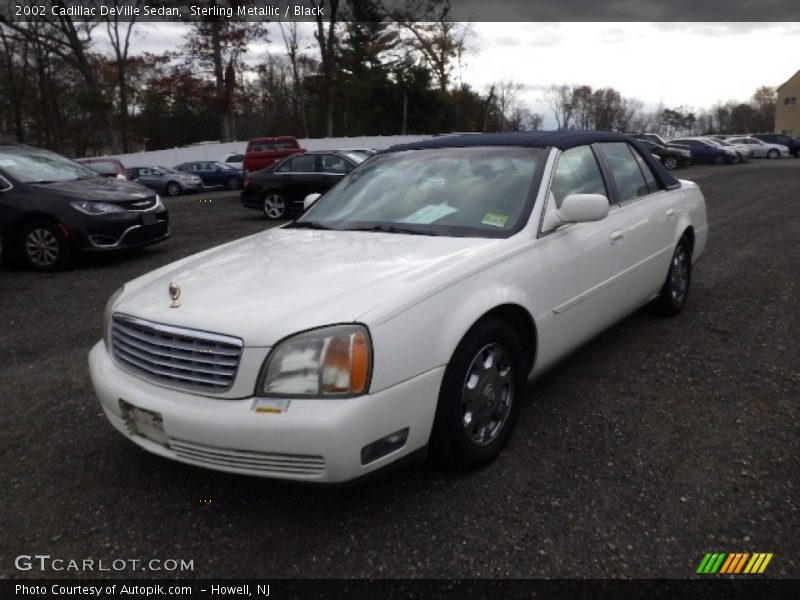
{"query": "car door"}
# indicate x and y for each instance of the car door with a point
(147, 176)
(758, 147)
(649, 217)
(332, 168)
(584, 259)
(298, 177)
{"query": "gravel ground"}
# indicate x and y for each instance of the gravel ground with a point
(659, 441)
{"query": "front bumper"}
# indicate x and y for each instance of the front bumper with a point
(312, 440)
(119, 231)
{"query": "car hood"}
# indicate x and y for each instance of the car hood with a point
(100, 189)
(270, 285)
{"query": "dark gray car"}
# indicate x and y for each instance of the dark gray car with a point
(165, 180)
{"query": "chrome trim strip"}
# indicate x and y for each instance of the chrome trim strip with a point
(182, 331)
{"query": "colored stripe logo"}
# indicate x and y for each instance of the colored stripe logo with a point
(734, 563)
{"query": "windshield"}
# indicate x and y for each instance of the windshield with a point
(32, 165)
(463, 192)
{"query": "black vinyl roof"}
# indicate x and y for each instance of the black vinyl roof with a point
(563, 140)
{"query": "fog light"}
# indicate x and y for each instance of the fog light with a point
(382, 447)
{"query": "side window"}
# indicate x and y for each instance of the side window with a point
(649, 176)
(333, 163)
(577, 172)
(304, 163)
(284, 167)
(625, 171)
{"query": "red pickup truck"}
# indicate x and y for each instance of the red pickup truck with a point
(262, 152)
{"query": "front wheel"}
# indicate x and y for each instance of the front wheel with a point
(43, 246)
(173, 189)
(479, 400)
(670, 162)
(719, 159)
(675, 291)
(274, 206)
(234, 183)
(773, 153)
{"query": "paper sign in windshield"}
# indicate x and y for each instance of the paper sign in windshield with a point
(430, 213)
(495, 220)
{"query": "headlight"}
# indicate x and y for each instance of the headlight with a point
(107, 316)
(328, 362)
(95, 208)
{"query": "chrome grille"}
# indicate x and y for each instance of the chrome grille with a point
(290, 464)
(184, 358)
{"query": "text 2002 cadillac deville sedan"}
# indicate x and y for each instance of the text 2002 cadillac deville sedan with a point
(404, 312)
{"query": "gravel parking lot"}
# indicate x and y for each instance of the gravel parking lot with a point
(656, 443)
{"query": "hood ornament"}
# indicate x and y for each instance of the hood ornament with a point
(174, 294)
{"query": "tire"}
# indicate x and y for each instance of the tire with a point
(471, 428)
(673, 295)
(274, 206)
(737, 159)
(719, 159)
(670, 163)
(234, 183)
(43, 246)
(773, 153)
(173, 189)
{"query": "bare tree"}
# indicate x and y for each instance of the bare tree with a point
(559, 99)
(119, 34)
(326, 39)
(290, 40)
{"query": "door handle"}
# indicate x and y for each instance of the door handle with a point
(670, 214)
(616, 237)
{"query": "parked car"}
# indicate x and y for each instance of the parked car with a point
(52, 207)
(262, 152)
(234, 159)
(670, 157)
(406, 310)
(107, 167)
(213, 173)
(784, 140)
(165, 180)
(279, 190)
(706, 151)
(743, 150)
(657, 139)
(760, 148)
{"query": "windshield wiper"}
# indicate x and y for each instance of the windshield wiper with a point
(308, 225)
(394, 229)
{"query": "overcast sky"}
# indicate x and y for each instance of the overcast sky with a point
(690, 64)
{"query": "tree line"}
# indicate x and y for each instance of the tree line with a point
(79, 88)
(582, 107)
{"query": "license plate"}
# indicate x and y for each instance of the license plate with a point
(144, 423)
(149, 218)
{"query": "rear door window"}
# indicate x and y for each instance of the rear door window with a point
(625, 171)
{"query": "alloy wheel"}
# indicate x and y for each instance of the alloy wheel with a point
(679, 275)
(487, 395)
(42, 247)
(274, 206)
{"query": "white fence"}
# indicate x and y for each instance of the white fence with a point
(215, 151)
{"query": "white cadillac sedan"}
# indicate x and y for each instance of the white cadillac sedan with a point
(404, 313)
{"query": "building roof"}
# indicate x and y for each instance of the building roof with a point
(788, 80)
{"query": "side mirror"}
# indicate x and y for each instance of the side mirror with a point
(309, 200)
(583, 208)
